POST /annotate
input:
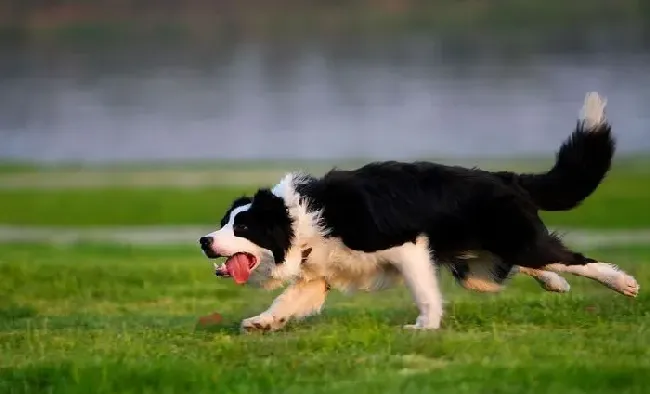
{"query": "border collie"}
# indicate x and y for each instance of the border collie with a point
(391, 222)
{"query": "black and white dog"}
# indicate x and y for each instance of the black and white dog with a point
(388, 222)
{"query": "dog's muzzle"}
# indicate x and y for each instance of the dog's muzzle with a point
(206, 247)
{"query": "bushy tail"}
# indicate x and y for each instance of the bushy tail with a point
(581, 163)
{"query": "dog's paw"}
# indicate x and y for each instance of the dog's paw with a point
(418, 327)
(613, 277)
(262, 323)
(626, 285)
(424, 323)
(553, 282)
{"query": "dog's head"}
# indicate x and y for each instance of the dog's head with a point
(254, 237)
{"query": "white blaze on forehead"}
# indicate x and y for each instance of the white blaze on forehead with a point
(224, 241)
(233, 213)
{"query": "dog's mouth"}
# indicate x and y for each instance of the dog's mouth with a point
(238, 266)
(209, 253)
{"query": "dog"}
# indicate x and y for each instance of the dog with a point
(393, 222)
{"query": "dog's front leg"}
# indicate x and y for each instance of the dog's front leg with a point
(301, 299)
(418, 270)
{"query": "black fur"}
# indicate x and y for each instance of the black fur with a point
(266, 223)
(458, 268)
(383, 205)
(581, 165)
(386, 204)
(239, 202)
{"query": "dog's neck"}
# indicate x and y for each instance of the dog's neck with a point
(307, 223)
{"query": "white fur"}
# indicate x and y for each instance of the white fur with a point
(593, 110)
(414, 261)
(301, 299)
(225, 243)
(607, 274)
(550, 281)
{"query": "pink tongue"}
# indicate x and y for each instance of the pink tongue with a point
(239, 267)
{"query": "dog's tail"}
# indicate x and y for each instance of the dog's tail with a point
(581, 163)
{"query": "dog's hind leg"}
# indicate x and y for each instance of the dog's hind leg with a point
(484, 272)
(480, 271)
(605, 273)
(549, 281)
(550, 254)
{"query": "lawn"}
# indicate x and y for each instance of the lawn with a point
(93, 318)
(621, 202)
(117, 319)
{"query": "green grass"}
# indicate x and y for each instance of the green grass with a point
(108, 319)
(117, 206)
(621, 202)
(13, 167)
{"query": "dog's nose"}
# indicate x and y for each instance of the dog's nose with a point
(205, 242)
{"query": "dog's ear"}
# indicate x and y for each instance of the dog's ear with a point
(265, 200)
(271, 212)
(264, 194)
(241, 201)
(270, 208)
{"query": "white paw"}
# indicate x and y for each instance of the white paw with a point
(624, 284)
(553, 282)
(263, 322)
(417, 327)
(614, 278)
(424, 323)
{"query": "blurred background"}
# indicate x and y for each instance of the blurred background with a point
(112, 81)
(188, 94)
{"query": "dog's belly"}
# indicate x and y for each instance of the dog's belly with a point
(380, 279)
(349, 270)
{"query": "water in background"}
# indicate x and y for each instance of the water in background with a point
(405, 97)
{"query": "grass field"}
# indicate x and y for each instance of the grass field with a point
(101, 318)
(109, 319)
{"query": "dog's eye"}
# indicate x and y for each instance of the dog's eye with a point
(240, 227)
